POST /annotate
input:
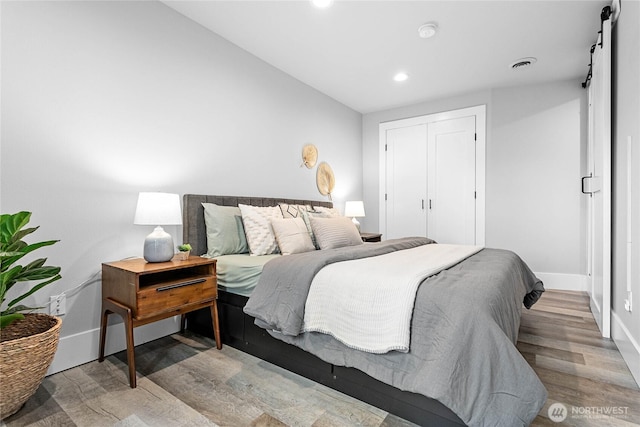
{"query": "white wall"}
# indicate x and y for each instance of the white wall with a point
(535, 151)
(534, 164)
(101, 100)
(626, 112)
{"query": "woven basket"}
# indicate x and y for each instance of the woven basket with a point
(24, 363)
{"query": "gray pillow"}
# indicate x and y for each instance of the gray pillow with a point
(225, 232)
(335, 232)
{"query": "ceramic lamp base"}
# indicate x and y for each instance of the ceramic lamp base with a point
(158, 246)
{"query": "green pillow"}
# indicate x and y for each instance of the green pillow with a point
(225, 232)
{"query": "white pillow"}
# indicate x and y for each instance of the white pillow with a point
(257, 228)
(335, 232)
(293, 211)
(299, 211)
(324, 212)
(292, 235)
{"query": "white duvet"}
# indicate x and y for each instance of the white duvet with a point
(367, 303)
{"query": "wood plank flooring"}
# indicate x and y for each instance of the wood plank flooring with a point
(184, 381)
(581, 370)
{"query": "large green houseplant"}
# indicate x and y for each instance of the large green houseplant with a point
(28, 340)
(12, 249)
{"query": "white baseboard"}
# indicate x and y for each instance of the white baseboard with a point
(563, 282)
(628, 346)
(81, 348)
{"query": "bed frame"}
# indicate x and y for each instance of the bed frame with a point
(239, 331)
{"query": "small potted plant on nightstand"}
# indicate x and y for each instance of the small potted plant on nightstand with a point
(28, 341)
(183, 251)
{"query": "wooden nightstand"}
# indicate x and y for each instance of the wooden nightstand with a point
(142, 292)
(371, 237)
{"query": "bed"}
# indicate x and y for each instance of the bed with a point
(461, 366)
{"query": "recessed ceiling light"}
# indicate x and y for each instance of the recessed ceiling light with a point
(523, 63)
(400, 77)
(322, 4)
(428, 30)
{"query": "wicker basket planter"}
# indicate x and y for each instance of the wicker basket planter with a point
(24, 361)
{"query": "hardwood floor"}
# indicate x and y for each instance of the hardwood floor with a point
(184, 381)
(580, 369)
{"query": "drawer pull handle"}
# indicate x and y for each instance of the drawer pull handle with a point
(181, 284)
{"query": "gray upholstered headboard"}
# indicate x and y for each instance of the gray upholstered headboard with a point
(193, 228)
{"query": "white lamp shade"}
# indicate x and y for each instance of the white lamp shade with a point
(354, 209)
(158, 209)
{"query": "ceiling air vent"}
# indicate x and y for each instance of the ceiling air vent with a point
(523, 63)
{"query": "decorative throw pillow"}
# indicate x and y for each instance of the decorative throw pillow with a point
(292, 235)
(335, 232)
(225, 233)
(258, 230)
(299, 211)
(324, 212)
(293, 211)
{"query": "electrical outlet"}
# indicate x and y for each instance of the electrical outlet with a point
(628, 303)
(58, 305)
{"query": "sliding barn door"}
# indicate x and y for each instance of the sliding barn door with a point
(598, 182)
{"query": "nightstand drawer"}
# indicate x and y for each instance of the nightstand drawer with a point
(172, 295)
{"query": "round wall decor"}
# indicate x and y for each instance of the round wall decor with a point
(309, 155)
(325, 180)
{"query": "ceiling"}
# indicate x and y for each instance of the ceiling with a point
(351, 50)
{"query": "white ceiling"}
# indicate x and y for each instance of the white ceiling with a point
(351, 50)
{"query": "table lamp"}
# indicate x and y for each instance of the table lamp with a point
(158, 209)
(354, 209)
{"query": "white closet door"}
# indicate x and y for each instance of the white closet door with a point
(406, 184)
(451, 216)
(456, 185)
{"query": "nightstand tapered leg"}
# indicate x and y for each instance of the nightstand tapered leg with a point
(103, 332)
(131, 349)
(216, 324)
(124, 312)
(183, 323)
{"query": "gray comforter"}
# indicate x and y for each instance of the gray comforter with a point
(464, 329)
